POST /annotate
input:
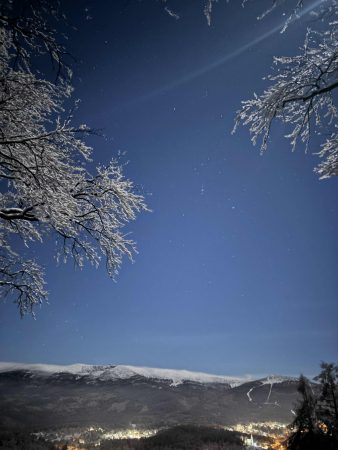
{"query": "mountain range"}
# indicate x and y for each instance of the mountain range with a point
(40, 396)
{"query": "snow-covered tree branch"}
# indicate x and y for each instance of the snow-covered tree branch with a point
(302, 94)
(46, 187)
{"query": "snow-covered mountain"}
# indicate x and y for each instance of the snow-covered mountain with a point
(40, 395)
(111, 372)
(124, 372)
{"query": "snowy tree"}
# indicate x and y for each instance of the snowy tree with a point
(47, 189)
(301, 92)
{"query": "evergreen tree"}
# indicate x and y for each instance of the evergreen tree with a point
(328, 401)
(304, 423)
(315, 424)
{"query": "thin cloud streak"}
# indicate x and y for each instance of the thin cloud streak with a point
(228, 57)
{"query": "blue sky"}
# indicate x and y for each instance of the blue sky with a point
(237, 264)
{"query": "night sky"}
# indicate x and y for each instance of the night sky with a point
(237, 265)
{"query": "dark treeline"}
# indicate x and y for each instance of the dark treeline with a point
(315, 426)
(20, 440)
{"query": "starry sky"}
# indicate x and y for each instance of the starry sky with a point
(237, 265)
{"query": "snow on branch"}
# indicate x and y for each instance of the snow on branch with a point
(21, 279)
(46, 186)
(301, 95)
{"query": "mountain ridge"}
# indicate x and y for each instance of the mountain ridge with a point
(121, 371)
